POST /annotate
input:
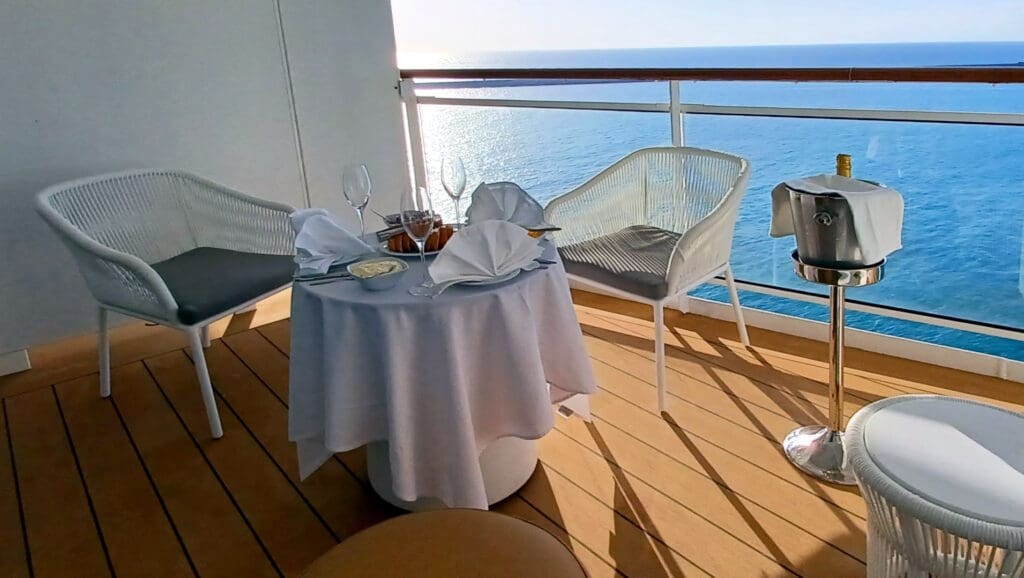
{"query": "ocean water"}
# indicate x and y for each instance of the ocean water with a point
(963, 185)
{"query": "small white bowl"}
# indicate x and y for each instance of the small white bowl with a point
(379, 282)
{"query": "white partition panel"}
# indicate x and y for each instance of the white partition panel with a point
(90, 87)
(345, 80)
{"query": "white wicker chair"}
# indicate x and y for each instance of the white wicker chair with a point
(654, 225)
(171, 248)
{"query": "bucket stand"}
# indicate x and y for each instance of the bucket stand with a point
(818, 449)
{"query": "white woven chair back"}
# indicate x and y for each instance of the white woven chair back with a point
(139, 214)
(690, 191)
(116, 225)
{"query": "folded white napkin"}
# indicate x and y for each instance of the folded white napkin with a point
(321, 242)
(877, 211)
(484, 251)
(505, 202)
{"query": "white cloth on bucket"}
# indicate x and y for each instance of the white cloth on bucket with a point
(506, 202)
(877, 211)
(484, 251)
(321, 242)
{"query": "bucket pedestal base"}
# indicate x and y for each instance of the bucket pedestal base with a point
(818, 451)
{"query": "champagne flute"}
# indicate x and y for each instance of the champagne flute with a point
(418, 221)
(453, 177)
(355, 183)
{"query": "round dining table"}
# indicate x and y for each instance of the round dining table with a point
(449, 393)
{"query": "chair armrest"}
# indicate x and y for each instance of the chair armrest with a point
(114, 278)
(707, 245)
(227, 219)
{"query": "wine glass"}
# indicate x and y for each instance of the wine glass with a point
(453, 177)
(417, 215)
(355, 183)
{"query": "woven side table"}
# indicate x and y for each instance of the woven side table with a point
(944, 483)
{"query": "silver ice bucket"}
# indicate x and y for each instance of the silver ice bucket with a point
(825, 236)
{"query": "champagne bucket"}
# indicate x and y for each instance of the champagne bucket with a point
(825, 236)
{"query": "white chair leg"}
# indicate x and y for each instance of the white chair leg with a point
(659, 351)
(209, 400)
(204, 334)
(104, 349)
(734, 296)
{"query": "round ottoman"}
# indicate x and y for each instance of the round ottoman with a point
(943, 479)
(453, 543)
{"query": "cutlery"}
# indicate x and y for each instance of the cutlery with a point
(545, 261)
(339, 275)
(332, 280)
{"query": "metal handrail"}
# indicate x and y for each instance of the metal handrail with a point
(485, 78)
(893, 115)
(1012, 74)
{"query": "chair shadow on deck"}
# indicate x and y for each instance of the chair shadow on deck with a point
(744, 512)
(776, 552)
(627, 501)
(629, 544)
(709, 330)
(804, 415)
(240, 322)
(729, 355)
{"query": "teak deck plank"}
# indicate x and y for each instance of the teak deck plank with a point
(740, 482)
(807, 540)
(597, 526)
(279, 333)
(707, 430)
(76, 357)
(702, 489)
(729, 401)
(266, 497)
(217, 537)
(638, 339)
(802, 363)
(592, 563)
(704, 544)
(138, 534)
(339, 497)
(264, 360)
(745, 457)
(62, 535)
(14, 562)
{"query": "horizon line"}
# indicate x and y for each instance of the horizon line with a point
(707, 47)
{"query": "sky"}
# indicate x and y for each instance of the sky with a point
(510, 25)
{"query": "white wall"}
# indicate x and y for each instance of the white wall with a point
(89, 87)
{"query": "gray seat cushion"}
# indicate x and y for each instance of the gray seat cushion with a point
(634, 259)
(207, 281)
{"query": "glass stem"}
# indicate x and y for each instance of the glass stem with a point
(362, 223)
(458, 214)
(423, 261)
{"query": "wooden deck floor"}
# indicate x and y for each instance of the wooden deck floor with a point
(133, 486)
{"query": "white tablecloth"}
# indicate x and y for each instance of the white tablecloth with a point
(438, 379)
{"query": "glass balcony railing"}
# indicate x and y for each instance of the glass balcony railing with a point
(952, 149)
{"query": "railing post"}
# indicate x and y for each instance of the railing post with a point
(414, 132)
(676, 113)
